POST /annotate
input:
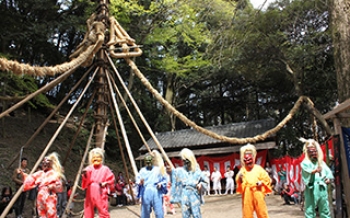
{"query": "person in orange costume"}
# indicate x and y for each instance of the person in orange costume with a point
(253, 182)
(97, 180)
(49, 183)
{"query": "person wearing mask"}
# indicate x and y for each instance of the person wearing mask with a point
(97, 181)
(187, 182)
(48, 180)
(253, 182)
(316, 175)
(152, 185)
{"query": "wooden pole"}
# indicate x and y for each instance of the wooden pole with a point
(122, 129)
(101, 100)
(74, 188)
(344, 169)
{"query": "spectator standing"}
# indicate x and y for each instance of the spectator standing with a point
(206, 173)
(216, 179)
(230, 185)
(268, 169)
(33, 194)
(18, 178)
(270, 172)
(282, 174)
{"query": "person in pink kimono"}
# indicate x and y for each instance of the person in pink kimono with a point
(48, 181)
(97, 180)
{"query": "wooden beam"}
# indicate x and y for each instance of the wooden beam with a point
(338, 109)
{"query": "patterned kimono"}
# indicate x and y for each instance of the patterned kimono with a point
(184, 190)
(316, 189)
(96, 195)
(151, 196)
(49, 183)
(253, 197)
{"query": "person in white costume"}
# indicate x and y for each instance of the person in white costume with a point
(206, 172)
(216, 178)
(230, 185)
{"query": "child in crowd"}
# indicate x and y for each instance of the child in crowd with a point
(6, 196)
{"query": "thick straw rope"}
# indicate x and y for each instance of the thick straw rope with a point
(93, 41)
(83, 56)
(188, 122)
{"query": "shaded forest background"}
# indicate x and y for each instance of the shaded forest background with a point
(216, 61)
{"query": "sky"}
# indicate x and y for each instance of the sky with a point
(258, 3)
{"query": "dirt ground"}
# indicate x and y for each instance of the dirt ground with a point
(223, 206)
(220, 207)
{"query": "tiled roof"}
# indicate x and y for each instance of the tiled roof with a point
(191, 138)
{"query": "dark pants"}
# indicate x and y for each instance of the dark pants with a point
(32, 198)
(61, 203)
(3, 206)
(19, 205)
(121, 200)
(288, 198)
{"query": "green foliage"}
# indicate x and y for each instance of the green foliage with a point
(16, 86)
(216, 61)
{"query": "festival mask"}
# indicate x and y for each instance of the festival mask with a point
(248, 159)
(148, 162)
(96, 160)
(46, 164)
(312, 152)
(187, 163)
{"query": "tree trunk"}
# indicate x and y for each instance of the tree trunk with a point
(169, 96)
(340, 24)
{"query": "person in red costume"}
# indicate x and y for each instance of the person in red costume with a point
(253, 182)
(48, 181)
(97, 181)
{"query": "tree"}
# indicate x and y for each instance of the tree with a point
(283, 53)
(340, 21)
(340, 17)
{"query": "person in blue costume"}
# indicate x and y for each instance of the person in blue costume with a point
(152, 184)
(187, 182)
(316, 176)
